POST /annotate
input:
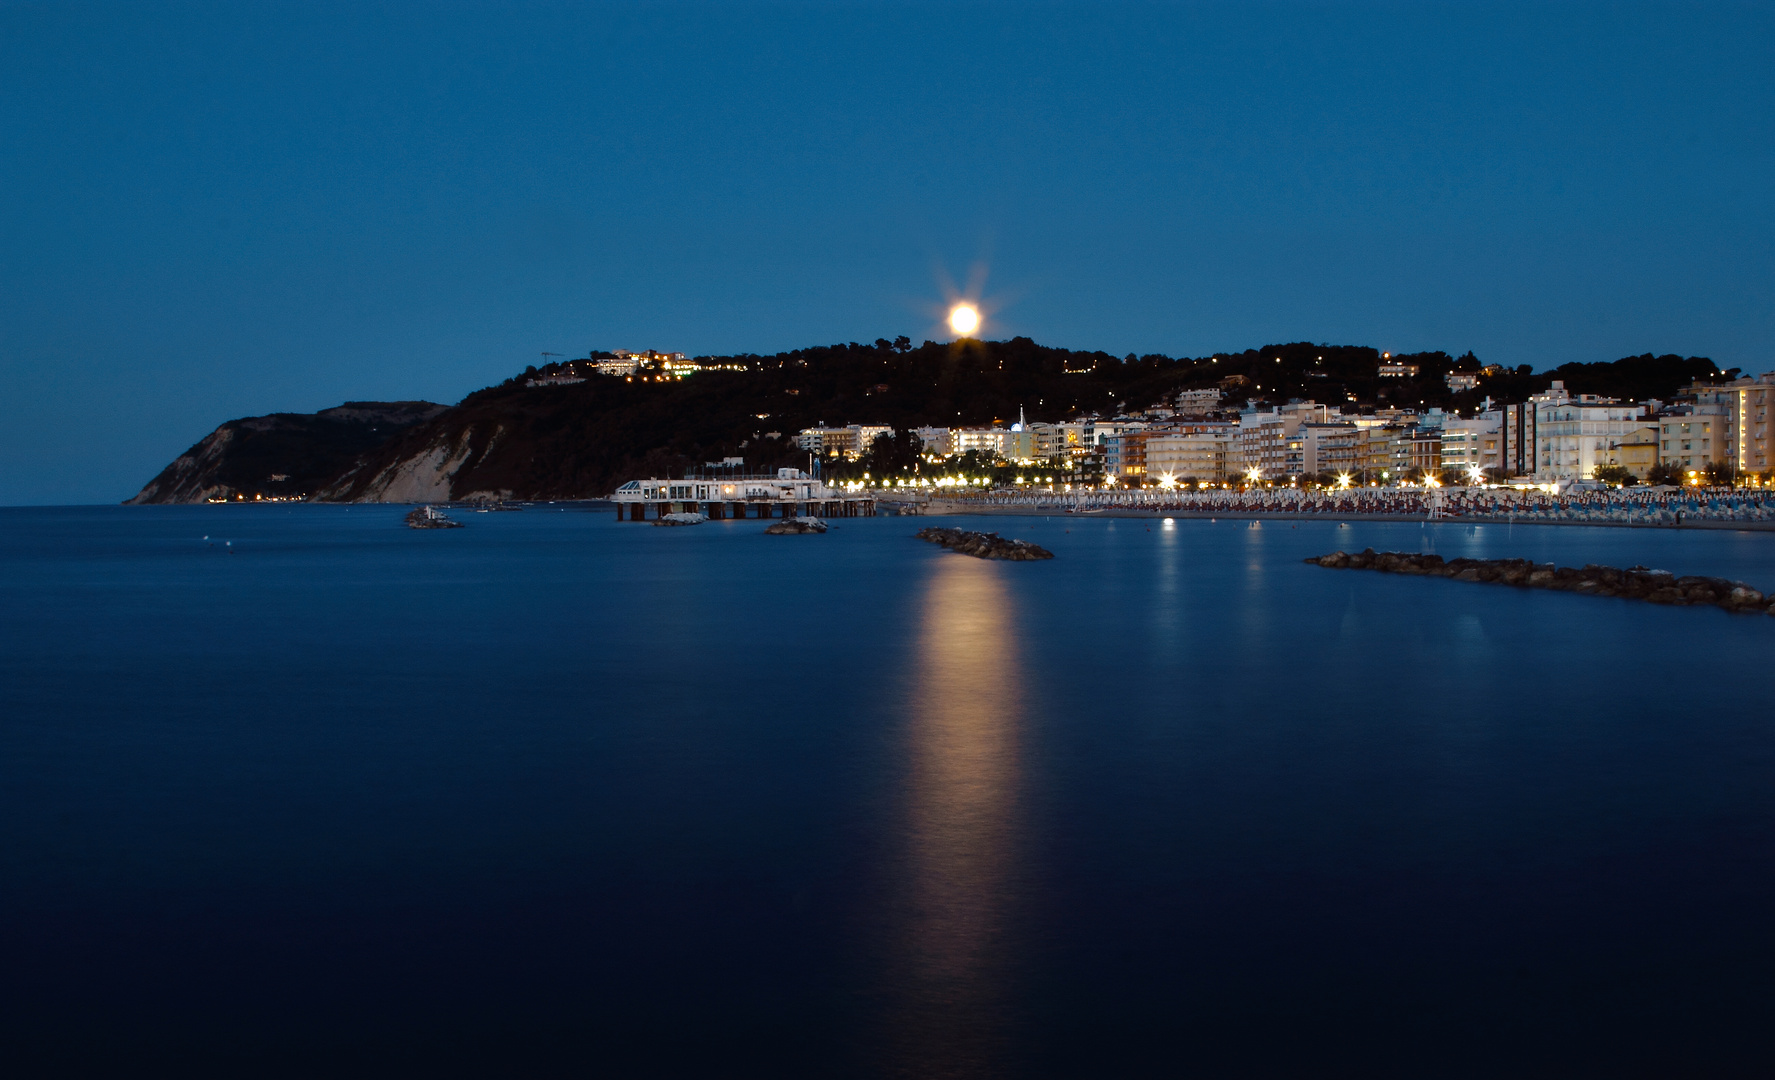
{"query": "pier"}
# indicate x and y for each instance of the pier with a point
(787, 493)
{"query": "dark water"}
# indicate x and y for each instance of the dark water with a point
(554, 795)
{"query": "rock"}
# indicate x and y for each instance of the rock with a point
(425, 517)
(1633, 583)
(984, 545)
(795, 527)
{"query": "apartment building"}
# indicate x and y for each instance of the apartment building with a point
(1573, 432)
(851, 441)
(1191, 403)
(1383, 452)
(1124, 456)
(1692, 437)
(1637, 452)
(1329, 448)
(1263, 443)
(1474, 445)
(1745, 405)
(1200, 452)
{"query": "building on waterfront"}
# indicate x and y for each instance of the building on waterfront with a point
(1017, 443)
(1745, 405)
(1573, 432)
(850, 442)
(1693, 437)
(1383, 452)
(1270, 445)
(1098, 432)
(1473, 445)
(1124, 456)
(1263, 442)
(1426, 451)
(1516, 438)
(1046, 438)
(1011, 444)
(1198, 452)
(1637, 451)
(1072, 438)
(934, 440)
(1329, 448)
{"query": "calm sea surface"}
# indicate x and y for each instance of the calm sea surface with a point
(558, 795)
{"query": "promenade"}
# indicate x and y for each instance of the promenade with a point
(1666, 508)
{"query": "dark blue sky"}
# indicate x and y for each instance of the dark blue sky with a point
(218, 211)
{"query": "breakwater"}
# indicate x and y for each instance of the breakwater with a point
(984, 545)
(1633, 583)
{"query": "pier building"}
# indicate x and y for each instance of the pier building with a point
(787, 493)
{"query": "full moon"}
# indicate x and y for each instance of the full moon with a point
(964, 319)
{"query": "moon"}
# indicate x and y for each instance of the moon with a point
(964, 319)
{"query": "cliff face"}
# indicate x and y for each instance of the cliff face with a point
(557, 442)
(284, 455)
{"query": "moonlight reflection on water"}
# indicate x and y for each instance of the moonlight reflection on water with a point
(963, 776)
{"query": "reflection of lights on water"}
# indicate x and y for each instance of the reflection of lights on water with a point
(961, 795)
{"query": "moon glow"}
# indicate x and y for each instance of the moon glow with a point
(964, 319)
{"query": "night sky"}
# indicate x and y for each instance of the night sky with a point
(218, 211)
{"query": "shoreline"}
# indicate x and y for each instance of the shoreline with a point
(951, 509)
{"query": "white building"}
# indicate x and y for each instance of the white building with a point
(1198, 402)
(1099, 432)
(934, 440)
(1572, 433)
(1011, 444)
(851, 441)
(1073, 437)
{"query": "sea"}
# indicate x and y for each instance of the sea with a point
(295, 791)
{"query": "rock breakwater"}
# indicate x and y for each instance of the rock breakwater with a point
(984, 545)
(1633, 583)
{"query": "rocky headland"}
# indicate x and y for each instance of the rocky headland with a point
(1633, 583)
(283, 455)
(984, 545)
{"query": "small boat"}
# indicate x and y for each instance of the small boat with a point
(430, 517)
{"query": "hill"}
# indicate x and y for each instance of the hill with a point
(534, 439)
